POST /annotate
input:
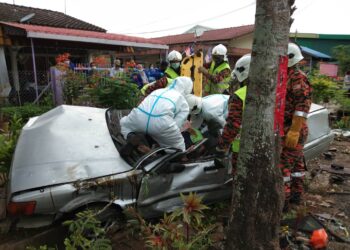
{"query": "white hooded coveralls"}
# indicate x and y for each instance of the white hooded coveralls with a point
(214, 108)
(161, 114)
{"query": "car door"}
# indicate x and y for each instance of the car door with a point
(162, 184)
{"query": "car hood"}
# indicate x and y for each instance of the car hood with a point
(66, 144)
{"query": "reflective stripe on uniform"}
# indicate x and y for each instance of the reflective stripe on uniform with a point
(286, 179)
(172, 86)
(298, 174)
(301, 114)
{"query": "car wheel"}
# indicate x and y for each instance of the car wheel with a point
(111, 217)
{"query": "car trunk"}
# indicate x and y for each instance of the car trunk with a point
(320, 135)
(66, 144)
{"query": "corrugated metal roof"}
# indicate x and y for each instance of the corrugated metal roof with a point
(45, 32)
(314, 53)
(210, 35)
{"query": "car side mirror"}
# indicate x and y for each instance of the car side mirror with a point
(175, 168)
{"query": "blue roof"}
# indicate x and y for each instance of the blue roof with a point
(314, 53)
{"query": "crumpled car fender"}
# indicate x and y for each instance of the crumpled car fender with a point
(84, 200)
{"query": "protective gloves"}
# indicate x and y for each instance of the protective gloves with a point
(203, 70)
(293, 134)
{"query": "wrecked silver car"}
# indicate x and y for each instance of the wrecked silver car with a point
(67, 159)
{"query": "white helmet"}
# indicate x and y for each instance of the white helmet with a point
(174, 56)
(241, 70)
(219, 50)
(194, 103)
(294, 54)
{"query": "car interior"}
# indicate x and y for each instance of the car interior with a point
(134, 157)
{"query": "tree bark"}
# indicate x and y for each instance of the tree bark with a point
(258, 186)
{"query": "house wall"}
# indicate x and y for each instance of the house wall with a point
(322, 45)
(244, 42)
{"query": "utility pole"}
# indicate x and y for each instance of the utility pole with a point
(65, 7)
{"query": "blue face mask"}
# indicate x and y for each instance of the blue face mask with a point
(175, 65)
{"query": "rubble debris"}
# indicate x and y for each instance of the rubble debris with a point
(325, 216)
(334, 228)
(320, 183)
(338, 245)
(337, 166)
(329, 169)
(340, 132)
(346, 151)
(346, 133)
(340, 193)
(328, 155)
(342, 214)
(325, 204)
(337, 179)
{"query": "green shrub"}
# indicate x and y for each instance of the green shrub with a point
(343, 123)
(343, 99)
(324, 88)
(7, 146)
(342, 54)
(24, 112)
(8, 143)
(73, 85)
(86, 233)
(118, 93)
(183, 229)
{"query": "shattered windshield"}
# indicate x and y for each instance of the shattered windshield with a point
(113, 117)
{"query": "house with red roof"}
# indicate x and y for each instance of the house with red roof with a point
(238, 40)
(31, 39)
(316, 48)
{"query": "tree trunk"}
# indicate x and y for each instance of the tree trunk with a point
(257, 189)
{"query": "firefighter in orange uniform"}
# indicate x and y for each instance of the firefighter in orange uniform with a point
(298, 102)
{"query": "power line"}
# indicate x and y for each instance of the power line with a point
(201, 21)
(146, 24)
(303, 8)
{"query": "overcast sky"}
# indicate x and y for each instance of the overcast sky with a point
(144, 17)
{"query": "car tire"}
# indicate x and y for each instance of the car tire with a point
(111, 216)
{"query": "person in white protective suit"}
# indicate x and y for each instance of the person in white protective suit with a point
(161, 114)
(211, 108)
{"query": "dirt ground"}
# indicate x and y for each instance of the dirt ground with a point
(328, 190)
(327, 197)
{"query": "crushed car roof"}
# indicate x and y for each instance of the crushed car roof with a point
(66, 144)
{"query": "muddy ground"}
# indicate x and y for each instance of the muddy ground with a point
(327, 197)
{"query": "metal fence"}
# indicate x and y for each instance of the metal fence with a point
(85, 76)
(24, 90)
(49, 89)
